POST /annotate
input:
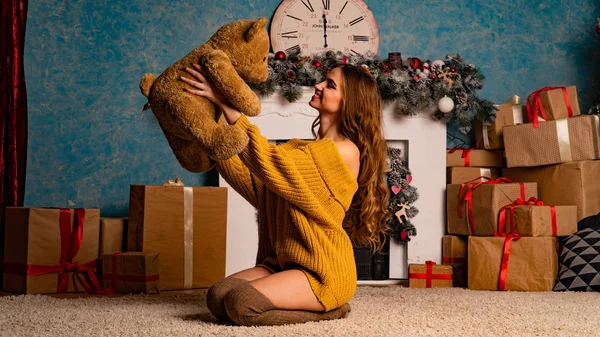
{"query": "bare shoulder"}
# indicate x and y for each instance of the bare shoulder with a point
(351, 155)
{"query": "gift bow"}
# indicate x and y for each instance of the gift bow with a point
(429, 276)
(70, 242)
(520, 202)
(533, 112)
(468, 196)
(508, 239)
(466, 154)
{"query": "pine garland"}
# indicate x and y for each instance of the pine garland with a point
(415, 87)
(402, 197)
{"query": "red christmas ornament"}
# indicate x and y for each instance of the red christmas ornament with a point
(403, 235)
(317, 64)
(387, 72)
(327, 70)
(415, 63)
(280, 56)
(344, 60)
(417, 77)
(386, 65)
(432, 76)
(452, 70)
(598, 28)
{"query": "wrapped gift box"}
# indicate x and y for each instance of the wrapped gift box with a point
(487, 200)
(489, 137)
(187, 226)
(532, 263)
(459, 175)
(575, 183)
(454, 253)
(113, 235)
(460, 157)
(429, 275)
(131, 272)
(554, 103)
(542, 220)
(42, 249)
(557, 141)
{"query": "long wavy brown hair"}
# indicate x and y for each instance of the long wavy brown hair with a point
(362, 123)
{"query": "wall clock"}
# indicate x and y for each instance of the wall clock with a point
(312, 26)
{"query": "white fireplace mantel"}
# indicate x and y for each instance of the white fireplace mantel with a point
(421, 138)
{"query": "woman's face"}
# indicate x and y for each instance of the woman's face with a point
(328, 94)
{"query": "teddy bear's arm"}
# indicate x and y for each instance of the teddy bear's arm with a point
(221, 72)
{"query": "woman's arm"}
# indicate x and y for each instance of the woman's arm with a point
(292, 175)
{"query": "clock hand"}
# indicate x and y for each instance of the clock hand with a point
(325, 29)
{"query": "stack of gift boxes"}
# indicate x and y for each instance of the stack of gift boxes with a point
(174, 238)
(527, 182)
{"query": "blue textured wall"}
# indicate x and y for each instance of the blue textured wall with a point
(84, 60)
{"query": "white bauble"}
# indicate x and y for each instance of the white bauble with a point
(446, 104)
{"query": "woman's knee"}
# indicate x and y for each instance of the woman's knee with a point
(245, 304)
(216, 295)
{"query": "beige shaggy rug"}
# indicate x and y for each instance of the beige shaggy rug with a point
(376, 311)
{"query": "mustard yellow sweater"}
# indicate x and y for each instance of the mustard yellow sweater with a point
(302, 190)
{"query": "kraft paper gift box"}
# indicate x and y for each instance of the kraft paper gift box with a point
(459, 175)
(454, 253)
(479, 216)
(553, 142)
(541, 220)
(113, 235)
(429, 275)
(131, 272)
(187, 226)
(532, 263)
(552, 103)
(467, 157)
(574, 183)
(42, 249)
(489, 137)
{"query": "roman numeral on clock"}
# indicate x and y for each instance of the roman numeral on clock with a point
(357, 20)
(295, 18)
(361, 38)
(308, 5)
(293, 50)
(290, 35)
(326, 4)
(344, 6)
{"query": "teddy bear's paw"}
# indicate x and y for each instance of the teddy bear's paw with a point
(228, 141)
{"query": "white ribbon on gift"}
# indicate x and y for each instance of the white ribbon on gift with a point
(485, 172)
(564, 142)
(517, 112)
(188, 236)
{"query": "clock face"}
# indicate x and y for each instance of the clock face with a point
(312, 26)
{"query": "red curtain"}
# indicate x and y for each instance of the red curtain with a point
(13, 107)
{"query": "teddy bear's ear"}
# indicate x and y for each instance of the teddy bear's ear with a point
(256, 27)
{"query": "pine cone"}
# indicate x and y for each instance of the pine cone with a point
(461, 98)
(290, 75)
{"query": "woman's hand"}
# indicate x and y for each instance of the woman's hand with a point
(202, 86)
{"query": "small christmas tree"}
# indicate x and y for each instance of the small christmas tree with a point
(402, 197)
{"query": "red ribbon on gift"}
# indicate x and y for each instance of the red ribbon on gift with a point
(520, 202)
(466, 154)
(446, 259)
(429, 275)
(534, 111)
(114, 277)
(70, 242)
(508, 239)
(468, 196)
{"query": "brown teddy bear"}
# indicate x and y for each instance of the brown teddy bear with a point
(236, 53)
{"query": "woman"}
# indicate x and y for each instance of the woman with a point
(314, 200)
